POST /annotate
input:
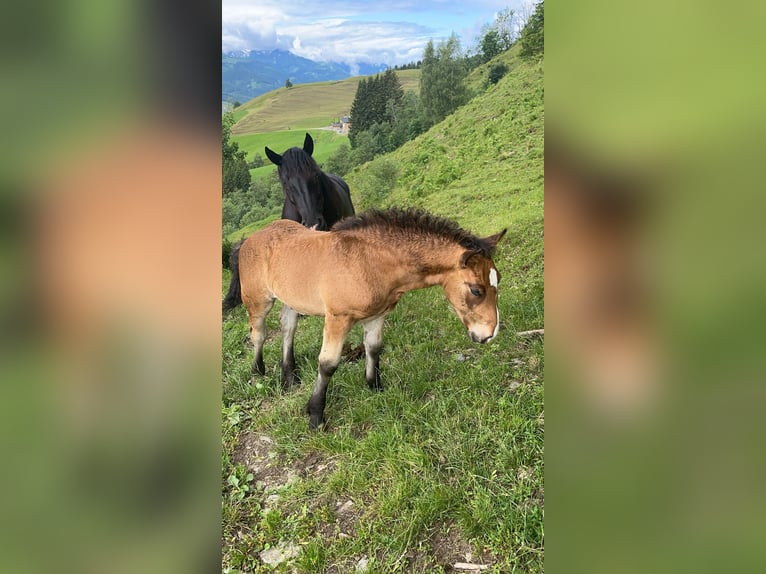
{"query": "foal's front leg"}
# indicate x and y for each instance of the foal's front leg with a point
(336, 327)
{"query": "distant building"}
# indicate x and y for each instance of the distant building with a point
(342, 126)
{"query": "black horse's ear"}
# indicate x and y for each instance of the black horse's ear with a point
(275, 158)
(308, 144)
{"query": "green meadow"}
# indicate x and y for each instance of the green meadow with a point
(305, 106)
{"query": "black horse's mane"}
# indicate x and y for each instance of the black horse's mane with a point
(413, 221)
(298, 161)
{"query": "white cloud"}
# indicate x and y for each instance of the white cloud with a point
(351, 31)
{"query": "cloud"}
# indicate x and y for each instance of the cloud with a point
(353, 42)
(351, 31)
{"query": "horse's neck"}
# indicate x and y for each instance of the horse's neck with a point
(422, 264)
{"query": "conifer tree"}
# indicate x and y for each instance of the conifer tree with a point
(442, 87)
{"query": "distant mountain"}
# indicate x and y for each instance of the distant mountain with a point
(250, 73)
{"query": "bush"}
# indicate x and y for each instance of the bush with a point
(257, 161)
(226, 252)
(379, 180)
(341, 162)
(496, 72)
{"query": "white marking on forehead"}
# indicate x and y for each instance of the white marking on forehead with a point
(493, 277)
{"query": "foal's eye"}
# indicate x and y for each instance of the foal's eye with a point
(476, 291)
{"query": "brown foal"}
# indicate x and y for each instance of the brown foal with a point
(356, 273)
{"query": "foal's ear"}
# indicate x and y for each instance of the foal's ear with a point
(467, 256)
(308, 144)
(493, 240)
(275, 158)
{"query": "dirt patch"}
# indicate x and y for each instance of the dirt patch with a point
(258, 452)
(449, 546)
(537, 499)
(418, 561)
(314, 465)
(347, 514)
(344, 567)
(352, 354)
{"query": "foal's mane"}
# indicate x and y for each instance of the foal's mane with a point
(414, 222)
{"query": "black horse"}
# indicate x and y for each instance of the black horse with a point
(312, 197)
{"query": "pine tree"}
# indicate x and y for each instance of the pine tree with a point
(358, 113)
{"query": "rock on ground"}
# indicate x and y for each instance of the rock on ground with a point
(279, 553)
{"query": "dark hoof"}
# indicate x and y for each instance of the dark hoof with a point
(290, 379)
(375, 386)
(315, 422)
(374, 383)
(259, 368)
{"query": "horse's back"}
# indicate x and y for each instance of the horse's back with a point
(283, 260)
(263, 241)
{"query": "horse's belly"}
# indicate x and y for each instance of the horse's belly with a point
(305, 299)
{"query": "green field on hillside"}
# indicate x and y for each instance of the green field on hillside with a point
(447, 461)
(305, 106)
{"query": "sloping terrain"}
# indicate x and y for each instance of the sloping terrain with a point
(305, 106)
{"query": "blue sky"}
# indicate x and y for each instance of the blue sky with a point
(351, 31)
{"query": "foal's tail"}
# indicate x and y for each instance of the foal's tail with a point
(234, 296)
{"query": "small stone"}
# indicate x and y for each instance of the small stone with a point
(361, 566)
(460, 357)
(271, 500)
(279, 553)
(469, 567)
(514, 385)
(345, 507)
(524, 473)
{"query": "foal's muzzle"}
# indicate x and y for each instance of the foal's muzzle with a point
(480, 338)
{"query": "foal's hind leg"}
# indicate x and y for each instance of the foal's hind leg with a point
(336, 327)
(257, 315)
(373, 343)
(288, 320)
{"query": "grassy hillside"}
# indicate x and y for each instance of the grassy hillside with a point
(305, 106)
(446, 464)
(477, 79)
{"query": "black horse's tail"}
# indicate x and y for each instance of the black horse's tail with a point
(234, 296)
